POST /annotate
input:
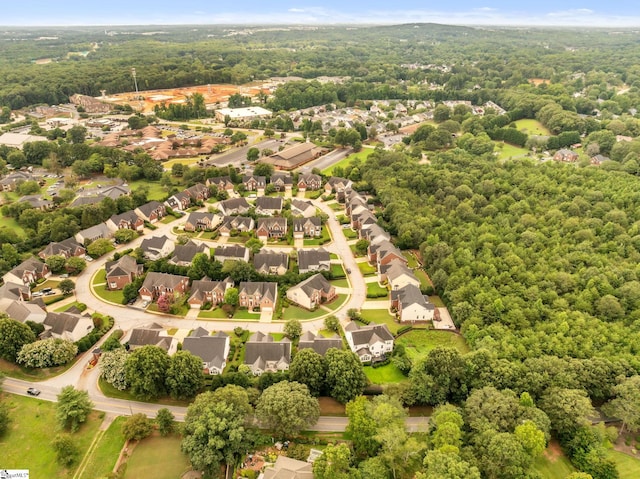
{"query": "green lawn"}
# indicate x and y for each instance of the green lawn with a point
(27, 442)
(106, 453)
(110, 296)
(100, 277)
(61, 309)
(412, 262)
(422, 276)
(338, 302)
(384, 375)
(361, 155)
(437, 301)
(296, 312)
(333, 256)
(349, 233)
(109, 391)
(336, 206)
(381, 316)
(325, 237)
(509, 151)
(337, 271)
(50, 283)
(340, 283)
(157, 457)
(12, 224)
(628, 467)
(277, 336)
(532, 127)
(366, 269)
(156, 190)
(374, 290)
(419, 343)
(245, 314)
(168, 219)
(215, 314)
(553, 464)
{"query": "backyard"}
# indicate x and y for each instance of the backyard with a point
(505, 151)
(385, 374)
(418, 343)
(157, 457)
(553, 464)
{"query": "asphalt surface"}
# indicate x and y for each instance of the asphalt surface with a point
(239, 155)
(326, 161)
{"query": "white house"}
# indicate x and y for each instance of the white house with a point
(411, 304)
(369, 342)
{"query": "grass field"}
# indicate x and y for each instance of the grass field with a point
(384, 375)
(111, 392)
(340, 283)
(509, 151)
(422, 276)
(337, 271)
(336, 303)
(110, 296)
(381, 316)
(349, 233)
(412, 262)
(628, 467)
(157, 457)
(185, 161)
(553, 464)
(106, 453)
(419, 343)
(27, 442)
(330, 407)
(16, 371)
(295, 312)
(100, 277)
(361, 155)
(156, 190)
(12, 224)
(374, 290)
(366, 269)
(532, 127)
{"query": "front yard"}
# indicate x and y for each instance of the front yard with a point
(366, 269)
(218, 313)
(338, 302)
(374, 290)
(381, 316)
(296, 312)
(324, 238)
(337, 271)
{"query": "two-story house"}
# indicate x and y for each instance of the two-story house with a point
(27, 272)
(309, 182)
(309, 227)
(369, 342)
(271, 228)
(263, 354)
(213, 350)
(127, 220)
(312, 292)
(206, 291)
(269, 205)
(237, 224)
(121, 272)
(258, 295)
(271, 262)
(233, 252)
(153, 211)
(67, 248)
(411, 304)
(162, 284)
(313, 260)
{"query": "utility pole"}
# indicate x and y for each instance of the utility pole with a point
(135, 80)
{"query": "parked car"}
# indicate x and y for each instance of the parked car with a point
(33, 392)
(348, 270)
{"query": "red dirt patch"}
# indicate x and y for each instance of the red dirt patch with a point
(553, 451)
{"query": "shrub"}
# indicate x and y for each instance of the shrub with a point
(379, 364)
(238, 331)
(403, 329)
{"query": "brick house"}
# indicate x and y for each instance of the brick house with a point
(271, 228)
(122, 272)
(162, 284)
(258, 294)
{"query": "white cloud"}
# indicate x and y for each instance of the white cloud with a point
(571, 13)
(296, 10)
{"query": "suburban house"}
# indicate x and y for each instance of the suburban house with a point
(310, 227)
(197, 221)
(353, 202)
(127, 220)
(13, 291)
(198, 192)
(263, 354)
(369, 342)
(116, 191)
(281, 181)
(180, 201)
(231, 253)
(156, 247)
(183, 254)
(293, 157)
(240, 224)
(121, 272)
(288, 468)
(69, 326)
(363, 219)
(152, 212)
(302, 208)
(23, 311)
(313, 260)
(337, 186)
(207, 291)
(319, 343)
(37, 201)
(565, 155)
(599, 159)
(383, 253)
(222, 183)
(67, 248)
(271, 228)
(309, 182)
(258, 294)
(162, 284)
(411, 304)
(397, 274)
(269, 205)
(152, 335)
(88, 235)
(374, 234)
(27, 272)
(234, 206)
(312, 292)
(10, 182)
(254, 183)
(271, 262)
(213, 350)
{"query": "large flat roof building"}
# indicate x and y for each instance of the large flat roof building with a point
(244, 114)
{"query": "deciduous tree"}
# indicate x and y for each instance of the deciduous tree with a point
(146, 371)
(137, 427)
(287, 408)
(13, 336)
(184, 376)
(73, 408)
(345, 376)
(112, 368)
(309, 368)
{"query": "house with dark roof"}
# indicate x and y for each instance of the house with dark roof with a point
(183, 254)
(27, 272)
(236, 224)
(374, 234)
(313, 260)
(153, 211)
(67, 248)
(198, 192)
(565, 155)
(152, 335)
(383, 253)
(411, 304)
(281, 181)
(310, 182)
(355, 203)
(69, 326)
(11, 181)
(98, 231)
(309, 227)
(233, 252)
(213, 350)
(254, 183)
(312, 292)
(13, 291)
(293, 157)
(116, 191)
(206, 291)
(180, 201)
(337, 186)
(271, 228)
(319, 343)
(258, 295)
(397, 274)
(201, 221)
(271, 262)
(599, 159)
(162, 284)
(264, 354)
(269, 205)
(234, 206)
(156, 247)
(24, 311)
(37, 202)
(127, 220)
(121, 272)
(302, 208)
(222, 183)
(369, 342)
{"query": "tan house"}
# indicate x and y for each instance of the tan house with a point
(237, 224)
(234, 206)
(231, 253)
(264, 354)
(69, 326)
(309, 182)
(313, 260)
(200, 221)
(67, 248)
(307, 227)
(27, 272)
(288, 468)
(206, 291)
(302, 208)
(271, 262)
(127, 220)
(156, 247)
(213, 350)
(258, 295)
(269, 205)
(162, 284)
(312, 292)
(152, 212)
(271, 228)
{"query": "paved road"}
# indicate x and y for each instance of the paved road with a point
(327, 160)
(239, 155)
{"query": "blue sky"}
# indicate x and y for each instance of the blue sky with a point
(489, 12)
